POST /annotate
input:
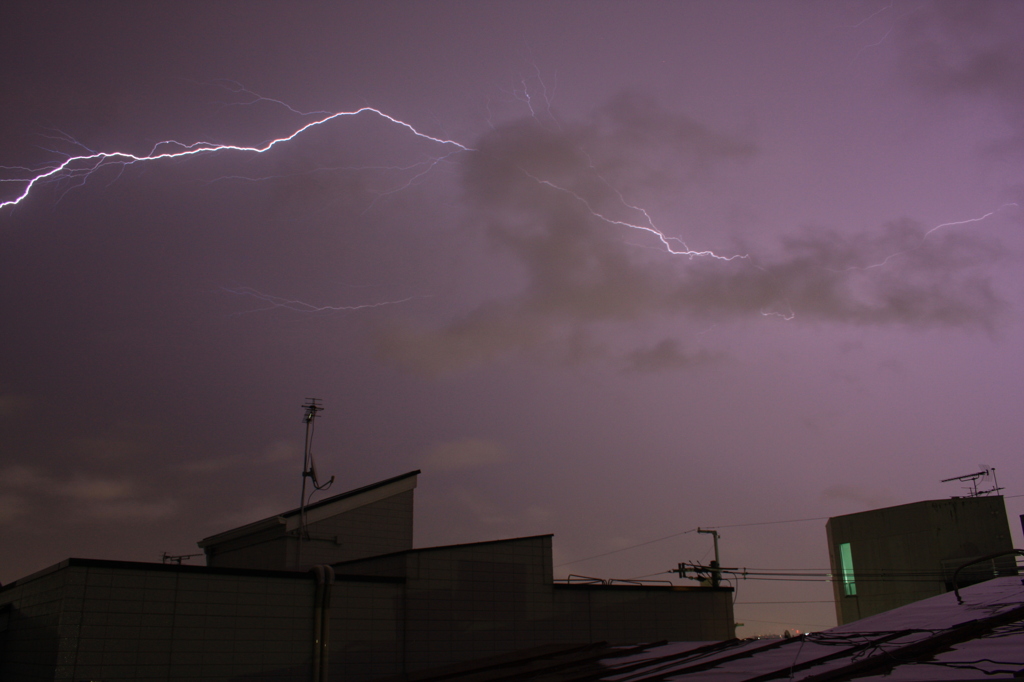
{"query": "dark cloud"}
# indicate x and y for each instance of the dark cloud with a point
(971, 49)
(897, 276)
(863, 496)
(667, 354)
(98, 497)
(13, 405)
(553, 200)
(467, 453)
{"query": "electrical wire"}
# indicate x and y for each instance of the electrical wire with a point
(770, 523)
(810, 601)
(623, 549)
(692, 530)
(732, 525)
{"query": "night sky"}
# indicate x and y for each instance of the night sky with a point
(613, 271)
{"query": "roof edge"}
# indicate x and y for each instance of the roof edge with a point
(282, 518)
(352, 493)
(441, 547)
(116, 564)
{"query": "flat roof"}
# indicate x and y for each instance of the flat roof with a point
(944, 501)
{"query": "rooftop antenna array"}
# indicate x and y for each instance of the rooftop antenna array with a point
(973, 479)
(312, 407)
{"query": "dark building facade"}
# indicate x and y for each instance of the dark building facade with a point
(259, 611)
(885, 558)
(368, 521)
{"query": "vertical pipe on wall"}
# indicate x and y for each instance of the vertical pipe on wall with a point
(318, 605)
(325, 622)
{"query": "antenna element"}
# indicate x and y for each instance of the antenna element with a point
(973, 480)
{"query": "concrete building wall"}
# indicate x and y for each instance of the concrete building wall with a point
(266, 550)
(30, 629)
(374, 519)
(114, 621)
(625, 614)
(907, 553)
(367, 637)
(379, 527)
(120, 621)
(470, 601)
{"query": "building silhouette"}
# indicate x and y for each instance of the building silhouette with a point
(885, 558)
(340, 595)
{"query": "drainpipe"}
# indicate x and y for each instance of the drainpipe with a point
(318, 607)
(324, 575)
(325, 627)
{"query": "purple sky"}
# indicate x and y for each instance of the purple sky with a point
(528, 340)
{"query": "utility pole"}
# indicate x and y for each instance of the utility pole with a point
(716, 573)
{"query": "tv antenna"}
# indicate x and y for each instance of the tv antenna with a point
(312, 407)
(973, 480)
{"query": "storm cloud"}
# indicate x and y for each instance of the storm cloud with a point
(971, 50)
(556, 199)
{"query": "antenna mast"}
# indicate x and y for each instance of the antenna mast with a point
(312, 407)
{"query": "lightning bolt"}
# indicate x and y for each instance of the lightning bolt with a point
(302, 306)
(892, 27)
(522, 93)
(649, 227)
(924, 237)
(969, 220)
(81, 166)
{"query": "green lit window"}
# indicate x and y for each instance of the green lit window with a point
(846, 559)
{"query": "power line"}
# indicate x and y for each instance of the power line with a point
(623, 549)
(771, 523)
(810, 601)
(692, 530)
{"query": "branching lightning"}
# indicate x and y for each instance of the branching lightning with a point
(237, 88)
(76, 168)
(81, 166)
(521, 93)
(649, 227)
